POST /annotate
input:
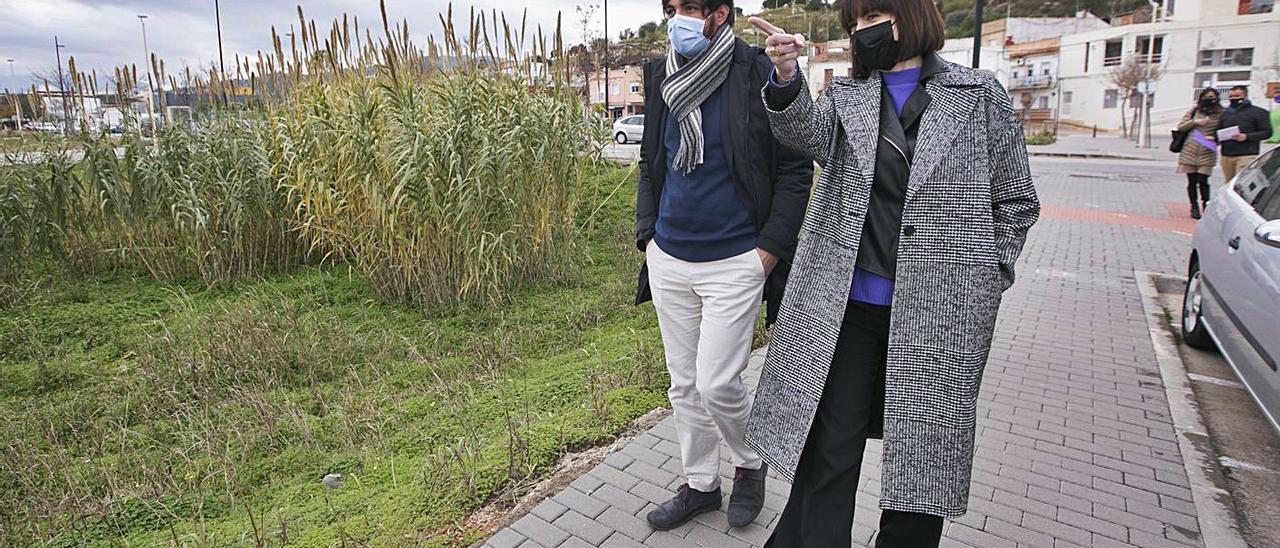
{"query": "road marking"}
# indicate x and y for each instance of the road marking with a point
(1242, 465)
(1214, 380)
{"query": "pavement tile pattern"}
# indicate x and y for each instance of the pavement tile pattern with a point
(1075, 443)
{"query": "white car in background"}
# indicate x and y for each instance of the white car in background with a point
(628, 130)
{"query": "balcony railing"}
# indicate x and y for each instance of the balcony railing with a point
(1140, 56)
(1038, 81)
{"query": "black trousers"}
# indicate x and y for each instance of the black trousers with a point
(819, 513)
(1198, 181)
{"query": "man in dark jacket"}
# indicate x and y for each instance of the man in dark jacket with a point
(1254, 124)
(718, 208)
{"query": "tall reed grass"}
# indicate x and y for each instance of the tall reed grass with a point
(450, 172)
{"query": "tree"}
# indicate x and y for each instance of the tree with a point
(587, 61)
(1126, 77)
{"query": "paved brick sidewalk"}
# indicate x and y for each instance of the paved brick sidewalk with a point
(1075, 442)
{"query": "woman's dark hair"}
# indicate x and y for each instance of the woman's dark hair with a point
(920, 26)
(1216, 108)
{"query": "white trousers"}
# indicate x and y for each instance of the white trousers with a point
(707, 313)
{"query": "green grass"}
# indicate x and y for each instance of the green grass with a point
(138, 413)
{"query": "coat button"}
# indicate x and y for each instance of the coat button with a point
(908, 231)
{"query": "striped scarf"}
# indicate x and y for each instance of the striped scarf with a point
(687, 87)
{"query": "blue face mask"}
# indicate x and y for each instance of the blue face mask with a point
(686, 35)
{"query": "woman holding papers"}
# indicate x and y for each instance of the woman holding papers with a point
(1200, 153)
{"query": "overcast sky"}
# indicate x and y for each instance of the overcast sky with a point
(102, 34)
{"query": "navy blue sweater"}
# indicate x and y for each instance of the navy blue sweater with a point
(703, 216)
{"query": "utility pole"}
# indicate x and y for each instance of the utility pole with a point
(151, 91)
(222, 66)
(1144, 130)
(17, 103)
(62, 87)
(608, 82)
(977, 32)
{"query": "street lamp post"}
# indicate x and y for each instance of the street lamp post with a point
(62, 87)
(977, 32)
(608, 82)
(151, 90)
(222, 67)
(17, 104)
(1144, 130)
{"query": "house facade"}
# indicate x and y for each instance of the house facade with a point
(626, 90)
(1197, 44)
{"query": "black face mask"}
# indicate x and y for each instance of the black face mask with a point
(1237, 103)
(875, 48)
(1208, 103)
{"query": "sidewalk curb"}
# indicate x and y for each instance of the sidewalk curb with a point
(1086, 155)
(1218, 525)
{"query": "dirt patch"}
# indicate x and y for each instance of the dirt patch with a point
(499, 514)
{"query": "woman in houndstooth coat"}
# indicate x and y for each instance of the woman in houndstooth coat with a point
(922, 208)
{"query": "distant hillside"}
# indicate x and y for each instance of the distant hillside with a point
(820, 23)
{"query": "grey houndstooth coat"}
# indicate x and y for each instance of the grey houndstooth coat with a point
(969, 205)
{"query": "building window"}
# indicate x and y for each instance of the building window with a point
(1234, 76)
(1043, 102)
(613, 88)
(1111, 98)
(635, 87)
(1156, 53)
(1114, 54)
(1249, 7)
(1066, 102)
(1226, 57)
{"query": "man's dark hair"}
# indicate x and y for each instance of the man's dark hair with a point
(920, 26)
(709, 6)
(1244, 89)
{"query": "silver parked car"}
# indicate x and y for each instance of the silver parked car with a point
(629, 129)
(1233, 287)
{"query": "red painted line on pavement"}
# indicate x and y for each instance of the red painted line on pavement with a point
(1184, 226)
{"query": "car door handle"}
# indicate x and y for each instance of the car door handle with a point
(1234, 243)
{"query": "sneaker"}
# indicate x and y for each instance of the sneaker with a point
(1195, 211)
(689, 502)
(748, 495)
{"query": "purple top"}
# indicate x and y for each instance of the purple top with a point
(868, 287)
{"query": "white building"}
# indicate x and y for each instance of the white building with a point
(1033, 80)
(1200, 43)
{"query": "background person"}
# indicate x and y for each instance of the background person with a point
(1196, 160)
(1255, 127)
(910, 240)
(718, 206)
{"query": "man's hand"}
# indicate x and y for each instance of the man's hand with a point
(1240, 138)
(784, 49)
(767, 260)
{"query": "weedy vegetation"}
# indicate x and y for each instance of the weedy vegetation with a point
(400, 265)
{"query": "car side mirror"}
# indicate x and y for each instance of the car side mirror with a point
(1269, 233)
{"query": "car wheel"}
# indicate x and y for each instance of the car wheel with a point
(1193, 329)
(620, 138)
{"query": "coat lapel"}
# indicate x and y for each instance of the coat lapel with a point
(859, 110)
(950, 102)
(733, 126)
